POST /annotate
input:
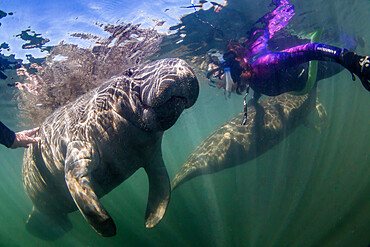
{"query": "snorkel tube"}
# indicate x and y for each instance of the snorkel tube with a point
(229, 81)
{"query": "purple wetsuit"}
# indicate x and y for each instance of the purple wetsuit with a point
(7, 136)
(286, 70)
(279, 72)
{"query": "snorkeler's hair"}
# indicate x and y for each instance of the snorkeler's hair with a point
(241, 71)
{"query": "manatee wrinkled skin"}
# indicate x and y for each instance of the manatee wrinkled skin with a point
(90, 146)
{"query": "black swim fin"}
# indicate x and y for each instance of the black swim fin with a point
(358, 65)
(47, 227)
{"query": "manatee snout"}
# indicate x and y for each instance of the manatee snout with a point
(174, 88)
(183, 86)
(173, 78)
(186, 82)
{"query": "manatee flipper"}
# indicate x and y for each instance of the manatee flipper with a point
(159, 192)
(319, 118)
(81, 159)
(47, 227)
(321, 115)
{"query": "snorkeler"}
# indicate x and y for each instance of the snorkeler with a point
(15, 140)
(269, 73)
(252, 64)
(274, 73)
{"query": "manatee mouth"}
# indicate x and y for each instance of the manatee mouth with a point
(168, 113)
(171, 105)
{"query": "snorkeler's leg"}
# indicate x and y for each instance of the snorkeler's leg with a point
(359, 65)
(269, 63)
(310, 51)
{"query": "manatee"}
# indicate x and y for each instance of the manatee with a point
(90, 146)
(269, 121)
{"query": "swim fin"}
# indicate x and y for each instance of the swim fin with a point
(358, 65)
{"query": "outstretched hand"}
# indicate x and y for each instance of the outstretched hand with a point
(23, 138)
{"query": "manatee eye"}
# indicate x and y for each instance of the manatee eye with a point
(128, 72)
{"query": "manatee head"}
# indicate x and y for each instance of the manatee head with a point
(162, 90)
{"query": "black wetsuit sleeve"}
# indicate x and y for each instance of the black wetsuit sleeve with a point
(7, 136)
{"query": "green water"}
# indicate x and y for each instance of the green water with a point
(311, 190)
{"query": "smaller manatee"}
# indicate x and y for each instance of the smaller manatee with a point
(269, 121)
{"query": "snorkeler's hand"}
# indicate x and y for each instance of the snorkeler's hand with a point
(23, 138)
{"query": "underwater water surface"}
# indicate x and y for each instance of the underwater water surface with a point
(312, 189)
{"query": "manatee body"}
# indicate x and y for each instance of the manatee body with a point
(91, 145)
(268, 123)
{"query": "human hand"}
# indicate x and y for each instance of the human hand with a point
(23, 138)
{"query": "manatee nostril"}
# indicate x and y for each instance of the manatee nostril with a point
(135, 88)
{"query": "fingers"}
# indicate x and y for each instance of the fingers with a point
(24, 138)
(31, 132)
(31, 139)
(28, 140)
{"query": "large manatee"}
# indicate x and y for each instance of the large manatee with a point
(91, 145)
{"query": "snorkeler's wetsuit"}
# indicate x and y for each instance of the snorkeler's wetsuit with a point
(7, 136)
(275, 72)
(280, 72)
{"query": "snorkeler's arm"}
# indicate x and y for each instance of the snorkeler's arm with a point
(24, 138)
(272, 22)
(20, 139)
(7, 136)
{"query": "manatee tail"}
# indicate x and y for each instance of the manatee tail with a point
(177, 181)
(47, 227)
(206, 160)
(188, 171)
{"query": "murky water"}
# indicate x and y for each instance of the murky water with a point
(310, 190)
